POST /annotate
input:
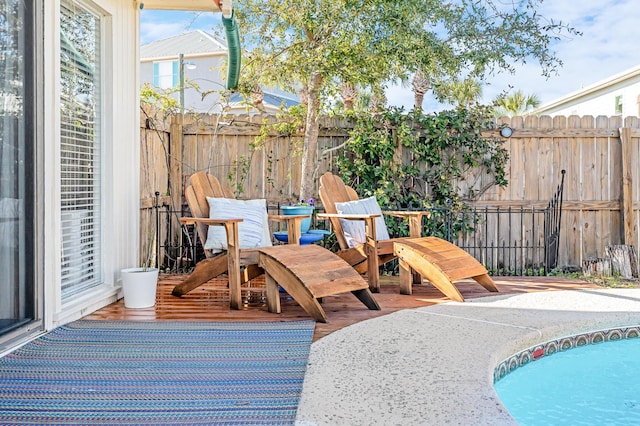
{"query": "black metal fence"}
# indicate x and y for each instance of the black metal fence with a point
(178, 250)
(520, 241)
(508, 241)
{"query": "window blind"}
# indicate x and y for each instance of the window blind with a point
(80, 149)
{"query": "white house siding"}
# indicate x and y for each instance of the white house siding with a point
(600, 98)
(207, 76)
(120, 127)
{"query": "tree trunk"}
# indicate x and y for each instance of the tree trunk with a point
(348, 105)
(624, 261)
(311, 131)
(420, 85)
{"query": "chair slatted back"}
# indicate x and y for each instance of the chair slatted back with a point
(201, 186)
(333, 190)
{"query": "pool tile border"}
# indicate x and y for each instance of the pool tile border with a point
(559, 345)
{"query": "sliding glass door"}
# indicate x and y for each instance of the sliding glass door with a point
(18, 166)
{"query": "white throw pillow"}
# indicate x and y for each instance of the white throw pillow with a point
(354, 229)
(253, 231)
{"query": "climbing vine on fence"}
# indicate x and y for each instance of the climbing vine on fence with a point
(445, 149)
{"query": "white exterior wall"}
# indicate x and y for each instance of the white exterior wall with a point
(121, 158)
(599, 99)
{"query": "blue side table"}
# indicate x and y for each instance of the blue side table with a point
(312, 236)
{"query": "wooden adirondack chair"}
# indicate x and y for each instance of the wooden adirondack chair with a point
(435, 259)
(307, 273)
(203, 185)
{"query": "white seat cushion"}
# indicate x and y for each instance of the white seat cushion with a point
(354, 231)
(253, 231)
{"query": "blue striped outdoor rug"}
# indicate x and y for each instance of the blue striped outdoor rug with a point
(125, 372)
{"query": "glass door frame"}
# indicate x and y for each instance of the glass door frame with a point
(33, 113)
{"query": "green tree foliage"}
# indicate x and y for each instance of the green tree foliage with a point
(316, 45)
(515, 104)
(445, 147)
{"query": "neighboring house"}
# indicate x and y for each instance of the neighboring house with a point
(204, 59)
(616, 95)
(69, 157)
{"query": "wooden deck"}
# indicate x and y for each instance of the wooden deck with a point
(211, 301)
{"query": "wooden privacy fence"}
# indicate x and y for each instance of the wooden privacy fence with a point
(602, 186)
(600, 156)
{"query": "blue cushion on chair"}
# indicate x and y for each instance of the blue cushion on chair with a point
(354, 231)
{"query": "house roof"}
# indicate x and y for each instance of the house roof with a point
(269, 98)
(192, 43)
(600, 85)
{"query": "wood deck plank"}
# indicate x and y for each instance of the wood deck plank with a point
(210, 302)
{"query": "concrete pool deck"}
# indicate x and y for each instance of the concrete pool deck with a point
(435, 365)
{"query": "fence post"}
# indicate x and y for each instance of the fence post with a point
(176, 153)
(175, 161)
(627, 187)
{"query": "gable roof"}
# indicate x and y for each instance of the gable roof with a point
(191, 43)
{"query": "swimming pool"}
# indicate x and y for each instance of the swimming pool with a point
(596, 382)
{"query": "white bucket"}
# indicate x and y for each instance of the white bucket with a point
(139, 286)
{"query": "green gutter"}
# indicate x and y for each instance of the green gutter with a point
(233, 45)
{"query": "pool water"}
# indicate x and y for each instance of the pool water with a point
(596, 384)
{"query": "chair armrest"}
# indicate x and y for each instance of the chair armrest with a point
(207, 221)
(406, 213)
(230, 226)
(415, 220)
(369, 222)
(363, 216)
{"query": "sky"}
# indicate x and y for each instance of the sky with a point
(608, 46)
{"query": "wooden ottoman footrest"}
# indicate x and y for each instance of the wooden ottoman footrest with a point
(441, 263)
(309, 273)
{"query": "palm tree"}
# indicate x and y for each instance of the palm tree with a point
(516, 104)
(420, 86)
(462, 93)
(378, 100)
(349, 94)
(354, 98)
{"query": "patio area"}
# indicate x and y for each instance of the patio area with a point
(419, 360)
(210, 302)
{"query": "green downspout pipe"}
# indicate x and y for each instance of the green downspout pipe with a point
(233, 45)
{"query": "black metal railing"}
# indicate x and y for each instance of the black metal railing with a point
(552, 221)
(520, 241)
(508, 241)
(178, 250)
